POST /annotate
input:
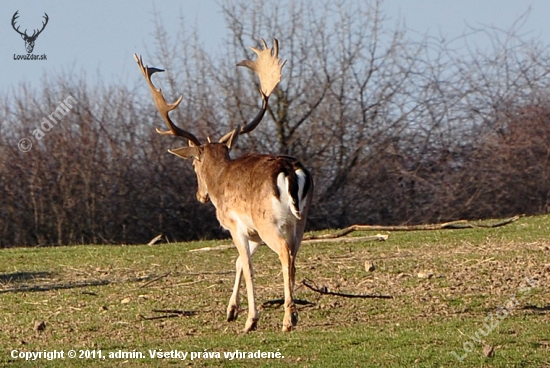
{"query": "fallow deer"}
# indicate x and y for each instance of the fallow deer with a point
(258, 198)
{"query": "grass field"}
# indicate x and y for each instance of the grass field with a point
(456, 293)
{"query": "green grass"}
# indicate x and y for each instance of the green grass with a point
(103, 298)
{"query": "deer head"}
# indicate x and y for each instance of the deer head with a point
(29, 40)
(268, 68)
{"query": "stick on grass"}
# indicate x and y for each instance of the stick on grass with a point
(324, 291)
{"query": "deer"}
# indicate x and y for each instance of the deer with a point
(259, 198)
(29, 40)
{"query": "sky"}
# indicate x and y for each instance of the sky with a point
(99, 37)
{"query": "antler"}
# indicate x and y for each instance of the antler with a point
(268, 67)
(15, 16)
(164, 107)
(35, 34)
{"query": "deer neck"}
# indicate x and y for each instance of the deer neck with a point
(215, 162)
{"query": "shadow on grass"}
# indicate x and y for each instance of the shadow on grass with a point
(37, 281)
(47, 287)
(23, 276)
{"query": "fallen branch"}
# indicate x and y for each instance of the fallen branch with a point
(155, 279)
(460, 224)
(176, 311)
(207, 249)
(278, 302)
(378, 237)
(324, 291)
(172, 313)
(155, 240)
(158, 317)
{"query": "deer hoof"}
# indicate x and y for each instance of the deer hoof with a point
(232, 313)
(287, 328)
(294, 318)
(251, 325)
(291, 318)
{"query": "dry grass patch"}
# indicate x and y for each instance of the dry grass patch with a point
(142, 298)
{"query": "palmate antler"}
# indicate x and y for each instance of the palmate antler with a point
(268, 67)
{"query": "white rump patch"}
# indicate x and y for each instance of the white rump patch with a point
(285, 198)
(301, 183)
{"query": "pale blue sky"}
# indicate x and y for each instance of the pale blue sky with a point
(87, 36)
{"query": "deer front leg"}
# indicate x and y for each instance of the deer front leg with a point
(234, 302)
(233, 306)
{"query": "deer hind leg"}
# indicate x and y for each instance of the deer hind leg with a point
(291, 314)
(233, 306)
(287, 255)
(297, 241)
(285, 250)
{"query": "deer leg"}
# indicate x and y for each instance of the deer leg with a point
(243, 246)
(286, 251)
(291, 315)
(233, 307)
(294, 246)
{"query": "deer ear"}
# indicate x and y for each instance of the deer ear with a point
(187, 152)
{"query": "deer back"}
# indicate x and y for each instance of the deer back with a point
(253, 187)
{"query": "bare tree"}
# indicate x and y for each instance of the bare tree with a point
(394, 129)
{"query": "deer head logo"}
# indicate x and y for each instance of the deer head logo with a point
(29, 40)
